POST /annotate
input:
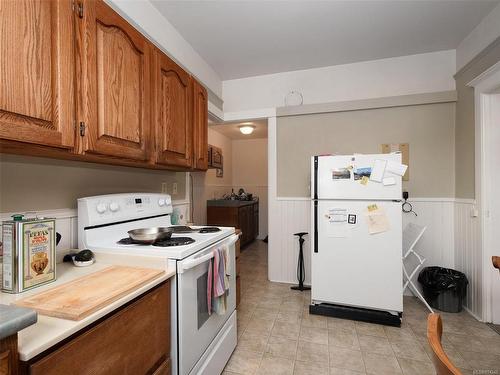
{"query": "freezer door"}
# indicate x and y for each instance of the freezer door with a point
(349, 265)
(332, 180)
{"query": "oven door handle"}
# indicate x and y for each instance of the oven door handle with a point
(186, 265)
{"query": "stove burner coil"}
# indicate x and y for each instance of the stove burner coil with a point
(172, 241)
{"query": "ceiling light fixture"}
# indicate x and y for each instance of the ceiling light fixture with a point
(247, 129)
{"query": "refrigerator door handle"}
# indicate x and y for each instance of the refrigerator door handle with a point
(315, 178)
(315, 226)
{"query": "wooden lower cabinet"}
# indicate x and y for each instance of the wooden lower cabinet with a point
(8, 356)
(134, 340)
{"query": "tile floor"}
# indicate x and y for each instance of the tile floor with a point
(277, 335)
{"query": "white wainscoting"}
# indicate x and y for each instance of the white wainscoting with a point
(291, 215)
(288, 216)
(468, 255)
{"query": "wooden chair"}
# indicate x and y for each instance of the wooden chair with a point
(442, 363)
(496, 262)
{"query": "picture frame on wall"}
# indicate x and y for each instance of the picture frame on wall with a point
(219, 172)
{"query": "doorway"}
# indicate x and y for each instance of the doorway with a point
(487, 108)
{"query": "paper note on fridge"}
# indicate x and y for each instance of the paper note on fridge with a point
(377, 221)
(396, 168)
(337, 222)
(388, 181)
(378, 170)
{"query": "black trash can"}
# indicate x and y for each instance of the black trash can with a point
(444, 288)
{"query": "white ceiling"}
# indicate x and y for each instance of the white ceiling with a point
(232, 131)
(247, 38)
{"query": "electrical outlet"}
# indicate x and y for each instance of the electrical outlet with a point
(474, 212)
(174, 188)
(164, 188)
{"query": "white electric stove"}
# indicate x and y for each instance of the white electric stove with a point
(201, 343)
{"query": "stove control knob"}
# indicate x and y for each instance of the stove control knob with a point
(113, 206)
(101, 208)
(161, 202)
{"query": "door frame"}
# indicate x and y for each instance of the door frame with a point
(485, 86)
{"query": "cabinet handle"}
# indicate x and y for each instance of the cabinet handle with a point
(82, 129)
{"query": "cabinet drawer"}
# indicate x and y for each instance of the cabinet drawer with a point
(132, 341)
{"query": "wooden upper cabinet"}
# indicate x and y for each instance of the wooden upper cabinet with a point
(200, 139)
(114, 79)
(37, 72)
(172, 112)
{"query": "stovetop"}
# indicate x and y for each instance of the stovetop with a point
(172, 241)
(186, 229)
(108, 240)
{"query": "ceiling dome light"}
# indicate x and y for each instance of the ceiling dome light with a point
(247, 129)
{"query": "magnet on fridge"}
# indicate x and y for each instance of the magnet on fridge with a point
(351, 219)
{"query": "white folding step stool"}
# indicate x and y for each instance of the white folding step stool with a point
(411, 235)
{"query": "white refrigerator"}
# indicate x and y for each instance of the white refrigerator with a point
(356, 260)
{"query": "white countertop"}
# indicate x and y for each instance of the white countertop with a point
(48, 331)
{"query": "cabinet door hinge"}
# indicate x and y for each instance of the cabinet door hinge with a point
(82, 129)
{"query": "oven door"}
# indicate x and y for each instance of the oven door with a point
(197, 329)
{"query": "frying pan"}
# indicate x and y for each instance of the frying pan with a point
(150, 235)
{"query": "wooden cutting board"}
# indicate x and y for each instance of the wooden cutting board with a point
(81, 297)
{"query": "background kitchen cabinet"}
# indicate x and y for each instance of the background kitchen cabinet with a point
(114, 78)
(172, 112)
(200, 131)
(216, 160)
(243, 215)
(36, 70)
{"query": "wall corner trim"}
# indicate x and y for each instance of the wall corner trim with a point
(476, 59)
(372, 103)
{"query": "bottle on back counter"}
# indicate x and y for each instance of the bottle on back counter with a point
(29, 253)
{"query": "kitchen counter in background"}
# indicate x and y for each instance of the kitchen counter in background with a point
(48, 331)
(229, 203)
(243, 215)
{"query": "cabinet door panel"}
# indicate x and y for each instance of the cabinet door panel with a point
(116, 74)
(172, 111)
(36, 72)
(200, 131)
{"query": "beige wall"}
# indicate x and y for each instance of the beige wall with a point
(250, 162)
(250, 173)
(465, 120)
(29, 183)
(429, 129)
(206, 185)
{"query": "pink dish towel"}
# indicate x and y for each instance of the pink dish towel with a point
(218, 284)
